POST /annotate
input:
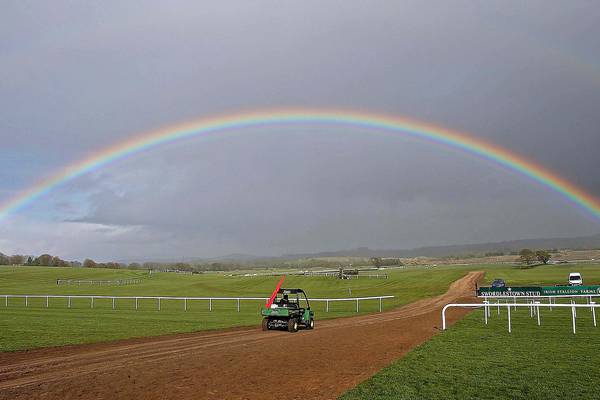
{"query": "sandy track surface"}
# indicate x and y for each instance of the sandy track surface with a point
(232, 364)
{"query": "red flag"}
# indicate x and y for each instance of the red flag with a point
(272, 298)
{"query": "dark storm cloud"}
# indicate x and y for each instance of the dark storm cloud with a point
(77, 77)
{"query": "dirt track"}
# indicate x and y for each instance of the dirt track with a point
(231, 364)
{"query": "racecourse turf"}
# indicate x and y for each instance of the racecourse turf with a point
(35, 326)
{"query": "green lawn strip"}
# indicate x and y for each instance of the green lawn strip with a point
(475, 361)
(36, 326)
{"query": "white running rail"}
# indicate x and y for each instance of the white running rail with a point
(185, 300)
(534, 308)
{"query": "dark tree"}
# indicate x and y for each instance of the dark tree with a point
(543, 256)
(526, 256)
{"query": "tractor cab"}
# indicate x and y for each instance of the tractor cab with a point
(290, 309)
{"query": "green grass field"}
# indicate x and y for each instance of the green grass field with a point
(475, 361)
(36, 326)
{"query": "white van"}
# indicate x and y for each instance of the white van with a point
(575, 279)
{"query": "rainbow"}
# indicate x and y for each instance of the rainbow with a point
(403, 126)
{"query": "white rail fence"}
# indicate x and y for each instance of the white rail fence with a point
(534, 310)
(185, 300)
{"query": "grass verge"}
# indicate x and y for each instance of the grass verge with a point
(475, 361)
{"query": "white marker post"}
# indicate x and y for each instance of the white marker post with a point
(485, 312)
(573, 317)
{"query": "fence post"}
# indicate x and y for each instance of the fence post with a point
(136, 303)
(327, 302)
(113, 299)
(159, 304)
(6, 300)
(592, 303)
(185, 304)
(46, 301)
(573, 316)
(508, 308)
(538, 313)
(485, 312)
(26, 301)
(380, 304)
(92, 302)
(209, 304)
(531, 309)
(356, 305)
(498, 306)
(238, 305)
(69, 301)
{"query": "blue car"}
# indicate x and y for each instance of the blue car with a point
(498, 283)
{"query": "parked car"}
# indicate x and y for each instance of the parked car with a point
(575, 279)
(498, 283)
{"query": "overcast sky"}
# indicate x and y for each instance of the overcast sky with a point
(79, 76)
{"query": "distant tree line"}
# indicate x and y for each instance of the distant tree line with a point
(45, 260)
(385, 261)
(16, 259)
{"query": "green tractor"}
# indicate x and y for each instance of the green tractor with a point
(286, 311)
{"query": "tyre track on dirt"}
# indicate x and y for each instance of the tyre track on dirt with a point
(205, 365)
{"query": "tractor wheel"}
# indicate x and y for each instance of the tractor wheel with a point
(292, 325)
(311, 324)
(265, 324)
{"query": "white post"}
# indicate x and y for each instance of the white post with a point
(327, 303)
(485, 312)
(185, 304)
(538, 313)
(159, 304)
(573, 317)
(550, 302)
(136, 303)
(209, 304)
(514, 302)
(6, 300)
(593, 312)
(380, 304)
(508, 308)
(113, 299)
(26, 301)
(530, 310)
(574, 308)
(69, 301)
(498, 306)
(238, 305)
(46, 301)
(444, 318)
(356, 305)
(92, 302)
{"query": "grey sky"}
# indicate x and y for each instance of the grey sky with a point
(75, 77)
